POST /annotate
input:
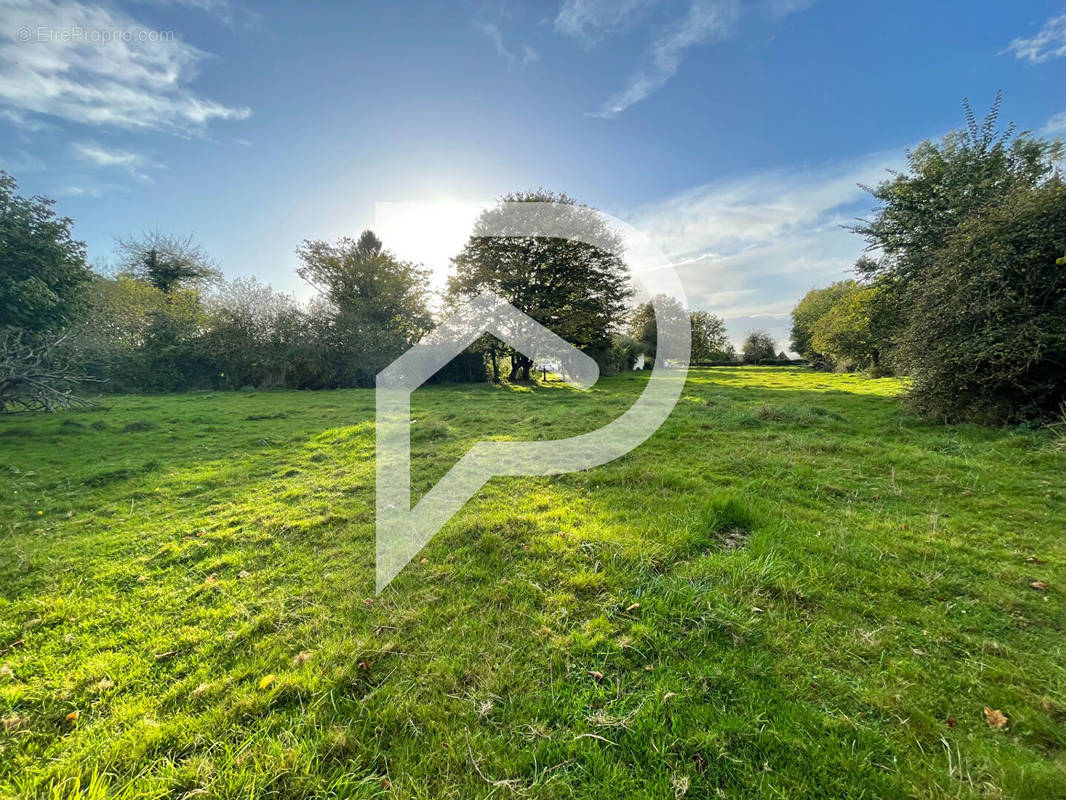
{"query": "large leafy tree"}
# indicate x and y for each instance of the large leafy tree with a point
(814, 305)
(851, 333)
(643, 326)
(575, 289)
(709, 340)
(42, 267)
(376, 304)
(758, 346)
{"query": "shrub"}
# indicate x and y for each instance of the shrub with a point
(986, 337)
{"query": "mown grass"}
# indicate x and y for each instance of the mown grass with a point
(791, 590)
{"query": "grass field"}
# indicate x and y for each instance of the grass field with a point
(791, 590)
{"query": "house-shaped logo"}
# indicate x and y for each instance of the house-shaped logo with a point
(402, 530)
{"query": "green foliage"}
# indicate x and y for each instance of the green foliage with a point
(814, 305)
(375, 305)
(254, 335)
(575, 289)
(968, 306)
(986, 337)
(947, 183)
(42, 268)
(827, 591)
(758, 346)
(642, 326)
(623, 355)
(709, 340)
(852, 332)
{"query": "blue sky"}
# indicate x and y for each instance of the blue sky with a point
(732, 132)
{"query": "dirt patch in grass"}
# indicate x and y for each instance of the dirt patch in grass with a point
(140, 426)
(733, 538)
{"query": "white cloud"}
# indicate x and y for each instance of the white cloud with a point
(492, 31)
(778, 9)
(99, 156)
(77, 191)
(1056, 126)
(115, 73)
(749, 248)
(21, 120)
(706, 21)
(227, 12)
(730, 216)
(591, 20)
(1049, 42)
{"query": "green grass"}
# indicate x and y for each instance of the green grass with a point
(830, 592)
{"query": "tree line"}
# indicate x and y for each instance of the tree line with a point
(161, 318)
(963, 285)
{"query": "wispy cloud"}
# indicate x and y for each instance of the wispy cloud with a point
(492, 31)
(77, 191)
(97, 155)
(706, 21)
(592, 20)
(138, 80)
(228, 12)
(1056, 126)
(1049, 42)
(21, 120)
(750, 248)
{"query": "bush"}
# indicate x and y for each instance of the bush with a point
(986, 337)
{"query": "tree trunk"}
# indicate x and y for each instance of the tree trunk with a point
(520, 364)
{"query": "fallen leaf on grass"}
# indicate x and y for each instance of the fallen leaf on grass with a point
(995, 718)
(596, 675)
(211, 579)
(267, 680)
(301, 657)
(633, 607)
(73, 716)
(1038, 585)
(244, 574)
(669, 696)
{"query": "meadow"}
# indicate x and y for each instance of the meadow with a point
(792, 589)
